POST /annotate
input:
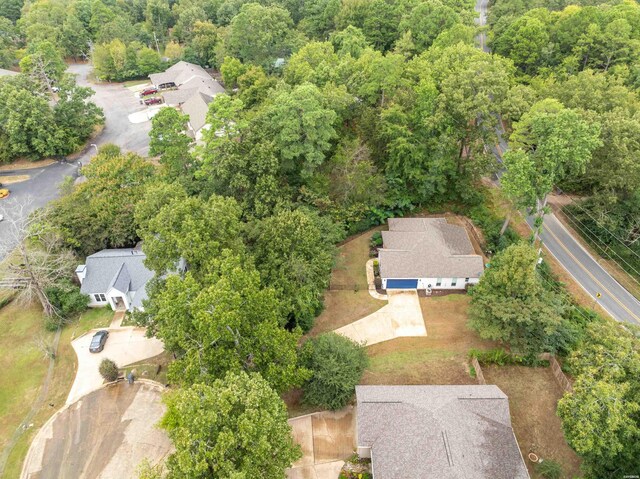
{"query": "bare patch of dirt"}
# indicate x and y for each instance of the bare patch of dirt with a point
(533, 399)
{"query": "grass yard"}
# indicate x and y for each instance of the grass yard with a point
(24, 368)
(533, 397)
(438, 358)
(344, 306)
(154, 368)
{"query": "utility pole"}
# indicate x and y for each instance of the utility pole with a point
(156, 40)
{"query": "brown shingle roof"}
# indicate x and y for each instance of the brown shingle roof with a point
(427, 248)
(438, 432)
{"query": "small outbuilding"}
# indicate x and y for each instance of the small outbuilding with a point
(429, 254)
(115, 277)
(437, 432)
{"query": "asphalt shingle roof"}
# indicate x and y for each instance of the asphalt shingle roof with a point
(438, 432)
(120, 268)
(427, 248)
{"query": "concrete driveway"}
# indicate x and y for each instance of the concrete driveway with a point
(402, 316)
(124, 346)
(327, 439)
(104, 435)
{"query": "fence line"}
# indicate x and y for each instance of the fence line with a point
(478, 369)
(562, 379)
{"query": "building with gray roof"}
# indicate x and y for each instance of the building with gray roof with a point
(117, 277)
(189, 88)
(427, 253)
(437, 432)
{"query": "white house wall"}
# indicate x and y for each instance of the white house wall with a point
(446, 283)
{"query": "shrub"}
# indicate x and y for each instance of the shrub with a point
(4, 300)
(502, 358)
(376, 240)
(337, 364)
(67, 299)
(108, 370)
(549, 469)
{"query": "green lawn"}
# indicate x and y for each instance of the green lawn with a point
(23, 368)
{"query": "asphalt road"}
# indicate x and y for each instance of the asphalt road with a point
(117, 103)
(615, 299)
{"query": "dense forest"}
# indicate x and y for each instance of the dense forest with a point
(339, 114)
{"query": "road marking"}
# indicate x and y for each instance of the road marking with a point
(612, 296)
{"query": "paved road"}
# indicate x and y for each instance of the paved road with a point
(117, 103)
(615, 299)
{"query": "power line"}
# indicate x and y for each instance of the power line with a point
(600, 225)
(606, 251)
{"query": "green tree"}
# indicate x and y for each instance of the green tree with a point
(43, 62)
(337, 365)
(229, 324)
(204, 41)
(172, 144)
(260, 34)
(549, 143)
(301, 126)
(294, 252)
(148, 61)
(193, 230)
(98, 213)
(524, 42)
(426, 21)
(510, 304)
(601, 418)
(239, 426)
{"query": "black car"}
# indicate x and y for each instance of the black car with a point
(98, 340)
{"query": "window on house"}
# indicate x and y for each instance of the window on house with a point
(454, 281)
(466, 280)
(438, 282)
(100, 298)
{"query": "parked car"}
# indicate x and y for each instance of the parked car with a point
(98, 341)
(149, 91)
(4, 192)
(153, 101)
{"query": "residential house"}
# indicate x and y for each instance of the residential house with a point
(115, 277)
(437, 432)
(427, 253)
(190, 88)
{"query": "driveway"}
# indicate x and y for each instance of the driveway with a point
(402, 316)
(124, 346)
(104, 435)
(327, 439)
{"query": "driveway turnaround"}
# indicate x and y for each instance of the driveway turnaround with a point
(124, 346)
(401, 317)
(104, 435)
(327, 439)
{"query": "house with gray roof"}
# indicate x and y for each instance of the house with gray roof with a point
(429, 254)
(115, 277)
(437, 432)
(189, 88)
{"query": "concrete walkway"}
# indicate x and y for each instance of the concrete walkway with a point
(371, 280)
(401, 317)
(327, 439)
(124, 346)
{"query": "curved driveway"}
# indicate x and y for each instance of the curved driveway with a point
(104, 435)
